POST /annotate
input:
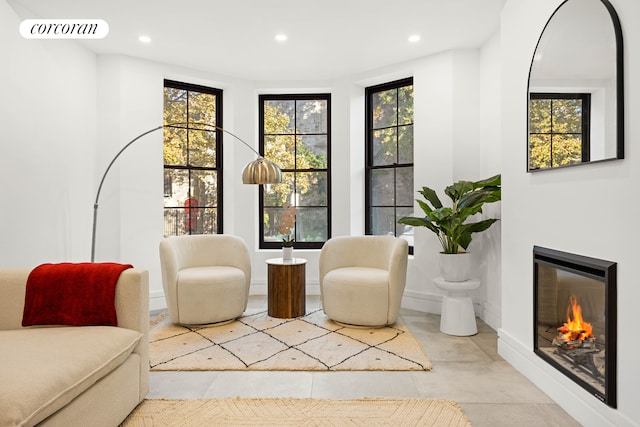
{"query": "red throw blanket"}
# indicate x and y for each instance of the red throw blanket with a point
(72, 294)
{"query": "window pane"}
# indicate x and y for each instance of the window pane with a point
(272, 217)
(383, 221)
(279, 117)
(174, 222)
(178, 179)
(279, 194)
(405, 144)
(280, 223)
(204, 187)
(382, 187)
(539, 151)
(404, 186)
(280, 149)
(311, 116)
(567, 115)
(567, 150)
(207, 221)
(175, 106)
(190, 220)
(202, 148)
(384, 108)
(405, 105)
(311, 189)
(384, 146)
(175, 146)
(312, 224)
(404, 231)
(311, 152)
(540, 116)
(202, 108)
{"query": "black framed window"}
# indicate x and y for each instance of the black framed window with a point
(295, 133)
(559, 129)
(192, 159)
(389, 192)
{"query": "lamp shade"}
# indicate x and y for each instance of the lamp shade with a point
(261, 171)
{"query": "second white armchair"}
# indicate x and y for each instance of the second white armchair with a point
(362, 279)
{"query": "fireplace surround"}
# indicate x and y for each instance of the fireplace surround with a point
(575, 318)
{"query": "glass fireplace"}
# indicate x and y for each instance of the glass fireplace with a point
(575, 318)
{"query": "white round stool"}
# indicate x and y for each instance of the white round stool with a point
(457, 317)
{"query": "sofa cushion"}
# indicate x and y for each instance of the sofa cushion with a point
(43, 369)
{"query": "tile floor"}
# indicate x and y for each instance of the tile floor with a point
(465, 369)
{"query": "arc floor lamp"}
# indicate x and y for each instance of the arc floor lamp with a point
(260, 171)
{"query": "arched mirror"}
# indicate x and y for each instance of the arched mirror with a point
(575, 110)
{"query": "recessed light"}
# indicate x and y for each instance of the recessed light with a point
(414, 38)
(144, 39)
(281, 37)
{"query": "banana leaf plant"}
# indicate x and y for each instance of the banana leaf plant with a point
(449, 223)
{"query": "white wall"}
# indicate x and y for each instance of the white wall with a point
(589, 210)
(47, 147)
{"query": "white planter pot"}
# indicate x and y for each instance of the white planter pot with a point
(455, 267)
(287, 253)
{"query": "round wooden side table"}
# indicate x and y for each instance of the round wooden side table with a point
(286, 287)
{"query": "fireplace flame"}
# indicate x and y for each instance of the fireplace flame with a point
(575, 329)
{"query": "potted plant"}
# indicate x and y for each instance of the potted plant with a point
(450, 223)
(287, 227)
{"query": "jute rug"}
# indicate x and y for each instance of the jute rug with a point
(298, 412)
(259, 342)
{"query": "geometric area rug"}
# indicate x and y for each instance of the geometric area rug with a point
(297, 412)
(260, 342)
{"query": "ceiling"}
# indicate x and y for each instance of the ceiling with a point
(327, 39)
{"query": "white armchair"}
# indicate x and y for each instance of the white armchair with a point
(362, 279)
(206, 277)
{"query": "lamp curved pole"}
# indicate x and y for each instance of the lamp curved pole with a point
(206, 125)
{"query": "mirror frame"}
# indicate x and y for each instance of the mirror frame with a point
(619, 72)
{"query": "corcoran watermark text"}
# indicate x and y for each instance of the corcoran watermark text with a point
(64, 28)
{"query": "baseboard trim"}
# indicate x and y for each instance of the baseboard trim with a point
(157, 301)
(420, 301)
(491, 315)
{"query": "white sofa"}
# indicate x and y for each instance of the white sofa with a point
(73, 375)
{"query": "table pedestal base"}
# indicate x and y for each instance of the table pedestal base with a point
(457, 317)
(286, 294)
